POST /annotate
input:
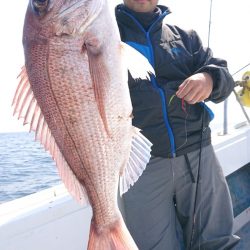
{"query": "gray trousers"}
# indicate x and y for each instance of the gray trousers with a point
(158, 209)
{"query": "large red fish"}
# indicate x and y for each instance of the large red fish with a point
(73, 93)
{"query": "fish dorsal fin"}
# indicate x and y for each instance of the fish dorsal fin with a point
(139, 158)
(27, 108)
(137, 64)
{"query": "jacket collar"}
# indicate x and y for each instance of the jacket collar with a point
(127, 18)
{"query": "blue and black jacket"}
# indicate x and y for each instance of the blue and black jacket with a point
(172, 125)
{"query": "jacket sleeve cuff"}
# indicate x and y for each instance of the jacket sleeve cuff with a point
(223, 82)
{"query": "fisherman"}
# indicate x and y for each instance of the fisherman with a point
(182, 196)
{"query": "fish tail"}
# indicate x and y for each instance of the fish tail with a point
(113, 237)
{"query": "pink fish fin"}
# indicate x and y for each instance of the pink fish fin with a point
(113, 237)
(27, 108)
(138, 160)
(72, 184)
(137, 64)
(24, 102)
(100, 77)
(22, 93)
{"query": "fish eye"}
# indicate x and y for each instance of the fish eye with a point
(40, 6)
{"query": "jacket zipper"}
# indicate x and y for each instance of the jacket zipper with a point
(154, 82)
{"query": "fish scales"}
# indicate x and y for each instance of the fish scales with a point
(85, 129)
(78, 103)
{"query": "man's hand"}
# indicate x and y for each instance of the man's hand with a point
(196, 88)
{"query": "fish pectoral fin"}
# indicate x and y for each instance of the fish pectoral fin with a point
(27, 108)
(137, 64)
(138, 160)
(100, 77)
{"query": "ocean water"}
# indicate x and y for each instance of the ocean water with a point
(25, 167)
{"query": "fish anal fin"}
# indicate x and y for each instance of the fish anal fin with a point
(27, 108)
(138, 160)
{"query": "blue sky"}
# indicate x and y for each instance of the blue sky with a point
(230, 39)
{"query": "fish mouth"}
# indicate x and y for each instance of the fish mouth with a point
(76, 17)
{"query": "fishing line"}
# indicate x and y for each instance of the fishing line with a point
(240, 69)
(210, 21)
(201, 138)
